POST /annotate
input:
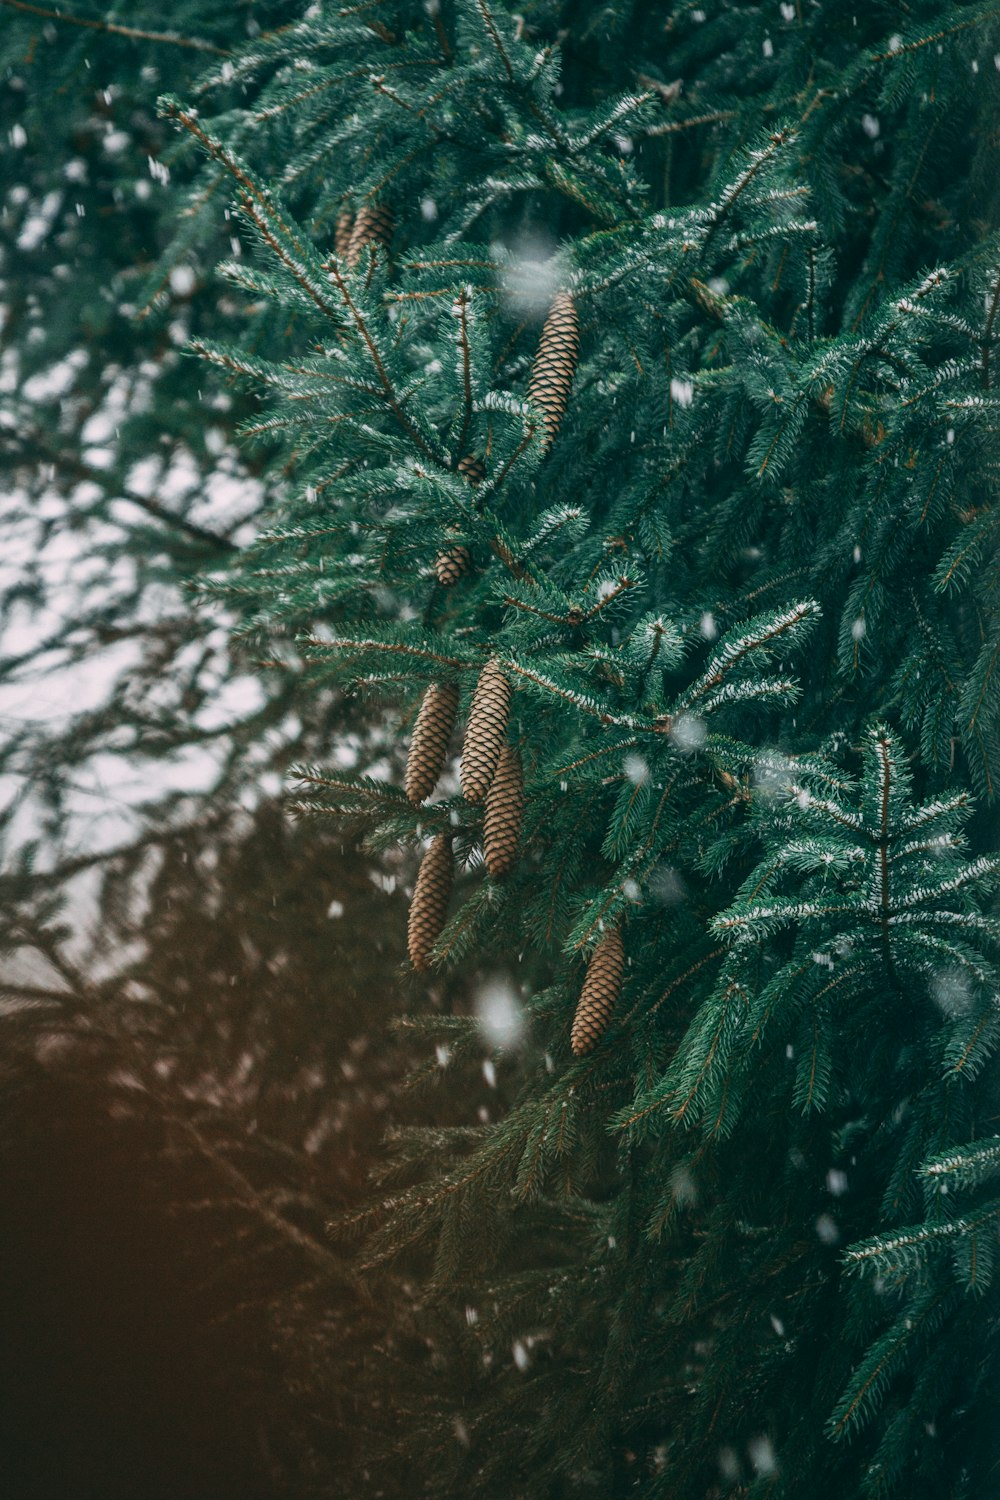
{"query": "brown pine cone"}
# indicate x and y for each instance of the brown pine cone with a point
(555, 363)
(472, 468)
(504, 811)
(373, 225)
(486, 731)
(342, 234)
(600, 992)
(452, 565)
(429, 907)
(429, 744)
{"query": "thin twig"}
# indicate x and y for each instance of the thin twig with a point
(80, 470)
(134, 33)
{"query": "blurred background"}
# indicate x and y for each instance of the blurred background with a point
(197, 1061)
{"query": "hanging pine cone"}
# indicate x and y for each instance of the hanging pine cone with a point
(429, 906)
(600, 992)
(555, 362)
(342, 234)
(472, 468)
(504, 810)
(486, 731)
(373, 225)
(429, 744)
(452, 565)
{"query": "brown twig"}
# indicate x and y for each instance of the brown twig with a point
(134, 33)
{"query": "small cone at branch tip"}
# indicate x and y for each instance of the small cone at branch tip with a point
(429, 907)
(486, 731)
(555, 363)
(429, 745)
(600, 992)
(455, 562)
(373, 226)
(342, 234)
(504, 812)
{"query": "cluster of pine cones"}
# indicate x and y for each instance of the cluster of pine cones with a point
(491, 770)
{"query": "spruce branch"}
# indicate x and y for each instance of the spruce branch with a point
(391, 396)
(277, 231)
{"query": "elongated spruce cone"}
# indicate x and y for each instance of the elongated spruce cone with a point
(429, 744)
(429, 907)
(600, 992)
(555, 363)
(373, 226)
(486, 731)
(504, 812)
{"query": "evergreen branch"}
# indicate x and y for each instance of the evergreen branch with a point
(495, 38)
(806, 1093)
(388, 389)
(964, 556)
(973, 874)
(259, 205)
(321, 647)
(705, 1067)
(365, 789)
(712, 117)
(670, 990)
(983, 13)
(967, 1167)
(968, 920)
(829, 809)
(418, 1201)
(733, 653)
(969, 1051)
(932, 812)
(987, 341)
(463, 336)
(583, 760)
(986, 670)
(574, 616)
(580, 701)
(889, 1351)
(759, 159)
(758, 920)
(886, 1253)
(115, 28)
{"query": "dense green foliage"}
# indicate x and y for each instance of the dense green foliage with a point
(747, 601)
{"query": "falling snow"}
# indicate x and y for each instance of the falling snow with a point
(500, 1016)
(689, 732)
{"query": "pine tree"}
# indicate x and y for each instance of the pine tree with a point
(767, 345)
(734, 596)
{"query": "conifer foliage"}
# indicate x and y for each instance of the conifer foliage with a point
(728, 581)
